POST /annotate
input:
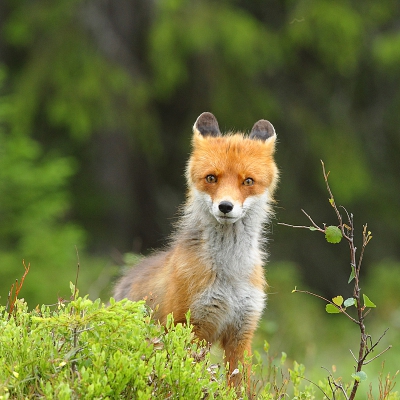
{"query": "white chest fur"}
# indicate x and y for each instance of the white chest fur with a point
(232, 251)
(228, 306)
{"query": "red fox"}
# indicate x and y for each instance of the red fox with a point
(213, 266)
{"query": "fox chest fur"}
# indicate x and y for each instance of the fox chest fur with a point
(230, 257)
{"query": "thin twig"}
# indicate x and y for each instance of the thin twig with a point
(294, 226)
(77, 272)
(378, 355)
(366, 239)
(319, 387)
(75, 332)
(355, 359)
(350, 227)
(332, 199)
(313, 294)
(12, 299)
(331, 381)
(314, 224)
(373, 347)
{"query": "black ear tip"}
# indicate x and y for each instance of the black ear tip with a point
(206, 116)
(262, 130)
(207, 125)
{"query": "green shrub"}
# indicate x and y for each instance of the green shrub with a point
(87, 350)
(34, 211)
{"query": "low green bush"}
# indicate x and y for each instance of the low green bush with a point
(86, 350)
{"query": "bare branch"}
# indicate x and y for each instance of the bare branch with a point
(355, 359)
(373, 347)
(313, 294)
(77, 273)
(12, 299)
(294, 226)
(378, 355)
(337, 386)
(314, 224)
(318, 387)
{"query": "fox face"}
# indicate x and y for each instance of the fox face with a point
(231, 175)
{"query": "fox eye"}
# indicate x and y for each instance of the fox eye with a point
(211, 178)
(248, 182)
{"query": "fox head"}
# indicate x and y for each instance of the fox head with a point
(233, 174)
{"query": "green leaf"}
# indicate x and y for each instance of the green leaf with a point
(266, 346)
(72, 287)
(349, 302)
(333, 234)
(368, 302)
(338, 300)
(332, 309)
(352, 274)
(359, 376)
(312, 228)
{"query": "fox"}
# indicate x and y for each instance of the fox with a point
(213, 265)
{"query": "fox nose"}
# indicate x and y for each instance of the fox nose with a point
(225, 207)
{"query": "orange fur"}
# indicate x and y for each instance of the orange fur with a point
(214, 264)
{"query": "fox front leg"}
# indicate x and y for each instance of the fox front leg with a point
(238, 350)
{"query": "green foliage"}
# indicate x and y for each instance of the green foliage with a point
(75, 90)
(359, 376)
(333, 234)
(318, 70)
(367, 301)
(297, 377)
(334, 23)
(332, 309)
(84, 349)
(34, 204)
(349, 302)
(386, 50)
(298, 324)
(338, 305)
(277, 381)
(352, 274)
(338, 300)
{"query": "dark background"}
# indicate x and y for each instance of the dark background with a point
(98, 99)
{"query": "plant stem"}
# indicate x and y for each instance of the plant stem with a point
(347, 230)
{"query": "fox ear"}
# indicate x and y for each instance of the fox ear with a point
(206, 125)
(262, 130)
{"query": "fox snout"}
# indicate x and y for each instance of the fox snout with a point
(225, 207)
(227, 211)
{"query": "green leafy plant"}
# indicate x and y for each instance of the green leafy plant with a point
(338, 305)
(275, 381)
(78, 348)
(34, 207)
(85, 349)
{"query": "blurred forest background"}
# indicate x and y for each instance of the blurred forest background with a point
(97, 102)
